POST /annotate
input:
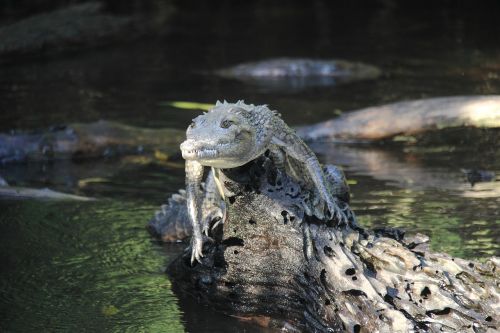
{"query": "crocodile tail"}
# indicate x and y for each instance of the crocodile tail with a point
(171, 222)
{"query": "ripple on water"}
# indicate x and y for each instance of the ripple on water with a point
(73, 266)
(461, 226)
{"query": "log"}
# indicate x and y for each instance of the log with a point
(407, 118)
(97, 139)
(270, 263)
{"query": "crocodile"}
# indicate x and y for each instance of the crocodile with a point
(295, 74)
(171, 222)
(232, 134)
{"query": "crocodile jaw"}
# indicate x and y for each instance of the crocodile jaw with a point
(199, 154)
(210, 155)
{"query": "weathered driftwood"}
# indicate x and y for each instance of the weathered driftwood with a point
(407, 118)
(271, 263)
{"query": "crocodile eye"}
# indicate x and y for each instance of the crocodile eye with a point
(226, 123)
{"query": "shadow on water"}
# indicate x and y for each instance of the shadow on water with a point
(92, 266)
(75, 267)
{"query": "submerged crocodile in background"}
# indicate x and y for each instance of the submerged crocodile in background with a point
(299, 73)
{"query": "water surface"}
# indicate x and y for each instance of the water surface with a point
(93, 267)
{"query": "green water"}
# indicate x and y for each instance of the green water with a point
(71, 267)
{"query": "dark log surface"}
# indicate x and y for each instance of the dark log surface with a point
(270, 262)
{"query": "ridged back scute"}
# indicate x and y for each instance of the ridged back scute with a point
(255, 113)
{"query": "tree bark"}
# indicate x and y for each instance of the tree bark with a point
(270, 262)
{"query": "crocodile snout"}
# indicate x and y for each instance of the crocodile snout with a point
(188, 149)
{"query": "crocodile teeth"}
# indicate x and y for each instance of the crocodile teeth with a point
(206, 153)
(191, 151)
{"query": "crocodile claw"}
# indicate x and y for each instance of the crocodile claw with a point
(208, 220)
(196, 248)
(335, 211)
(205, 228)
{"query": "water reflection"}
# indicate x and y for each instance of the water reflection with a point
(412, 171)
(92, 267)
(73, 267)
(83, 265)
(425, 193)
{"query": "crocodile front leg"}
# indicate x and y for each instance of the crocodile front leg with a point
(297, 149)
(194, 175)
(212, 206)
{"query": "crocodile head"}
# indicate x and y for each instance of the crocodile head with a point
(223, 137)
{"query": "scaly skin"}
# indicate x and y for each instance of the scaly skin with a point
(171, 223)
(231, 135)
